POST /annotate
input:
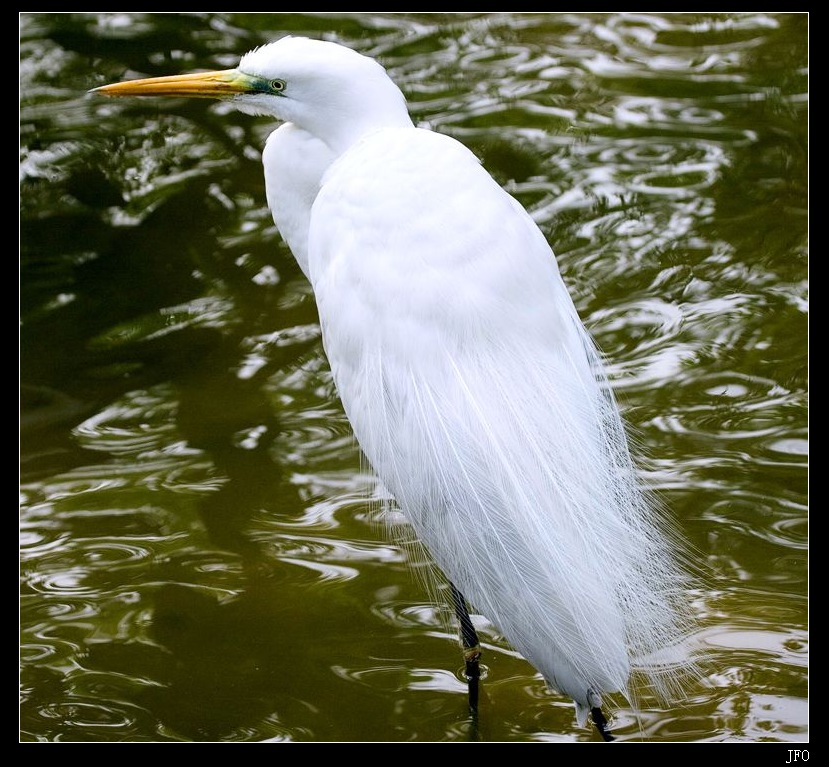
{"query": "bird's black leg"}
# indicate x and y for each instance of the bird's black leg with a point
(471, 647)
(601, 724)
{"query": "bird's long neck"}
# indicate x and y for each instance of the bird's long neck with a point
(344, 140)
(379, 105)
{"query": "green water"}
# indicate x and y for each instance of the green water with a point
(199, 557)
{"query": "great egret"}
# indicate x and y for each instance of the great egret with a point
(472, 386)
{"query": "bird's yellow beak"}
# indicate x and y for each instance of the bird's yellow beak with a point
(227, 82)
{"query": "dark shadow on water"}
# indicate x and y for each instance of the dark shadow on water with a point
(91, 295)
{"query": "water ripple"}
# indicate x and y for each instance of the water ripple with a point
(333, 559)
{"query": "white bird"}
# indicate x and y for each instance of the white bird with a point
(471, 384)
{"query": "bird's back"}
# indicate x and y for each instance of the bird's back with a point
(478, 398)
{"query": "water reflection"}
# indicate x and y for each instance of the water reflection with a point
(199, 560)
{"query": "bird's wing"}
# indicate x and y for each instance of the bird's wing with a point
(477, 396)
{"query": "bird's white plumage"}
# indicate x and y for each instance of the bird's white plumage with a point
(294, 159)
(471, 384)
(472, 388)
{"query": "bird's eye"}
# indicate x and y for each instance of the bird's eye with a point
(277, 86)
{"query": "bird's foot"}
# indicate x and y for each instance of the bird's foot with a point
(601, 724)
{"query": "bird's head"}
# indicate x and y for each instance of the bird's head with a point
(325, 88)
